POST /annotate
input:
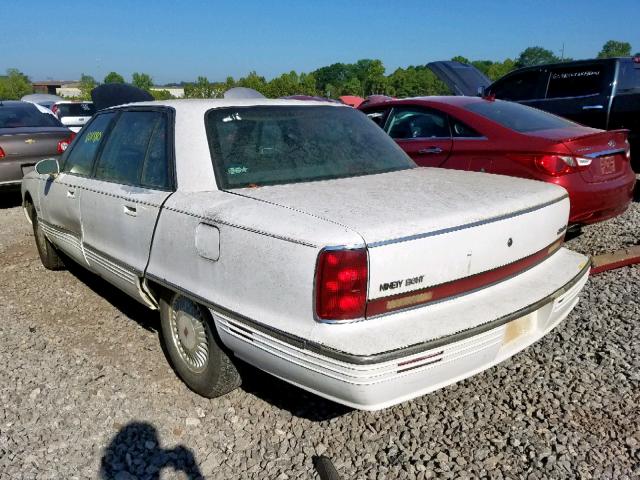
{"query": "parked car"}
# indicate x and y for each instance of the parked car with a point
(27, 135)
(297, 236)
(600, 93)
(43, 99)
(471, 133)
(73, 114)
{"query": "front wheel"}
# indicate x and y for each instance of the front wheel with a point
(48, 254)
(194, 348)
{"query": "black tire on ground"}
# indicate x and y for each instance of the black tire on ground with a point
(48, 254)
(194, 348)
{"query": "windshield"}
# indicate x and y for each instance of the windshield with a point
(518, 117)
(76, 109)
(25, 116)
(268, 145)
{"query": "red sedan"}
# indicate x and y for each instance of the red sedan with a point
(472, 133)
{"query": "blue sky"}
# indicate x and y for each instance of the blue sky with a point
(179, 40)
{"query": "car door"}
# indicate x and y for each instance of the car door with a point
(423, 133)
(471, 150)
(579, 93)
(60, 197)
(131, 180)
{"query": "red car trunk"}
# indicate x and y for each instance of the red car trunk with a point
(607, 151)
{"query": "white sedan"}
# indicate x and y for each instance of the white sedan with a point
(296, 236)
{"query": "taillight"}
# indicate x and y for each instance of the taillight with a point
(1, 153)
(54, 109)
(551, 164)
(63, 144)
(341, 284)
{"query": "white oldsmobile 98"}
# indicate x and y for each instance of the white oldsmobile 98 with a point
(299, 238)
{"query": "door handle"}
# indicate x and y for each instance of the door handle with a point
(129, 210)
(429, 150)
(592, 107)
(71, 194)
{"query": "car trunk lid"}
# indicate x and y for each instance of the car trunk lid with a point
(461, 78)
(434, 226)
(32, 142)
(607, 152)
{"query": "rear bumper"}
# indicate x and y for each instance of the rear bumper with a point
(596, 202)
(12, 171)
(388, 377)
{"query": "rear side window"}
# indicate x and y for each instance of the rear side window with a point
(85, 109)
(133, 140)
(520, 86)
(629, 77)
(462, 130)
(518, 117)
(80, 158)
(405, 123)
(575, 81)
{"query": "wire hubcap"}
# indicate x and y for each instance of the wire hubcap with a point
(189, 333)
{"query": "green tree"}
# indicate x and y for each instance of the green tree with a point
(614, 48)
(535, 56)
(202, 88)
(142, 81)
(113, 77)
(482, 65)
(255, 81)
(161, 94)
(461, 59)
(87, 83)
(14, 85)
(500, 69)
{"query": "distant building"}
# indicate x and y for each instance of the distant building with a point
(64, 88)
(177, 92)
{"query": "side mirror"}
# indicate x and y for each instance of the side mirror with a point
(48, 166)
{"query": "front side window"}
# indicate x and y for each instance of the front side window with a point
(518, 117)
(575, 81)
(267, 145)
(125, 151)
(81, 157)
(520, 86)
(410, 122)
(378, 116)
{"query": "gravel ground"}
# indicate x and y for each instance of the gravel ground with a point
(87, 393)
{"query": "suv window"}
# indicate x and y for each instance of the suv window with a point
(269, 145)
(415, 122)
(629, 77)
(576, 81)
(80, 159)
(85, 109)
(126, 149)
(519, 86)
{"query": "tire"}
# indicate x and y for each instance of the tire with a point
(48, 254)
(194, 348)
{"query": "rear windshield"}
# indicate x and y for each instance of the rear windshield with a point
(518, 117)
(76, 109)
(25, 116)
(268, 145)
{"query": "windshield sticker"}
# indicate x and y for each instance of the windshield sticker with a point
(93, 137)
(237, 170)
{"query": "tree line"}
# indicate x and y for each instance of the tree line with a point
(362, 78)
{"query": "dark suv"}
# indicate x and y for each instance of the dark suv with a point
(601, 93)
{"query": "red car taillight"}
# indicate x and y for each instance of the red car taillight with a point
(1, 153)
(63, 144)
(341, 284)
(554, 165)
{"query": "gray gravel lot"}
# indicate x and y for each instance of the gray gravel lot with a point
(87, 393)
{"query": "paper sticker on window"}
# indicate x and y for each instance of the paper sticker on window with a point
(237, 170)
(93, 137)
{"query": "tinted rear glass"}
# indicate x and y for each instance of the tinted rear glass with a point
(267, 145)
(575, 81)
(519, 86)
(629, 77)
(76, 109)
(25, 116)
(518, 117)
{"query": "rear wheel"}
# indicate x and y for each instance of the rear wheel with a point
(194, 348)
(48, 254)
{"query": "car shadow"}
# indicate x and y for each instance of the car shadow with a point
(135, 451)
(146, 318)
(285, 396)
(10, 199)
(272, 390)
